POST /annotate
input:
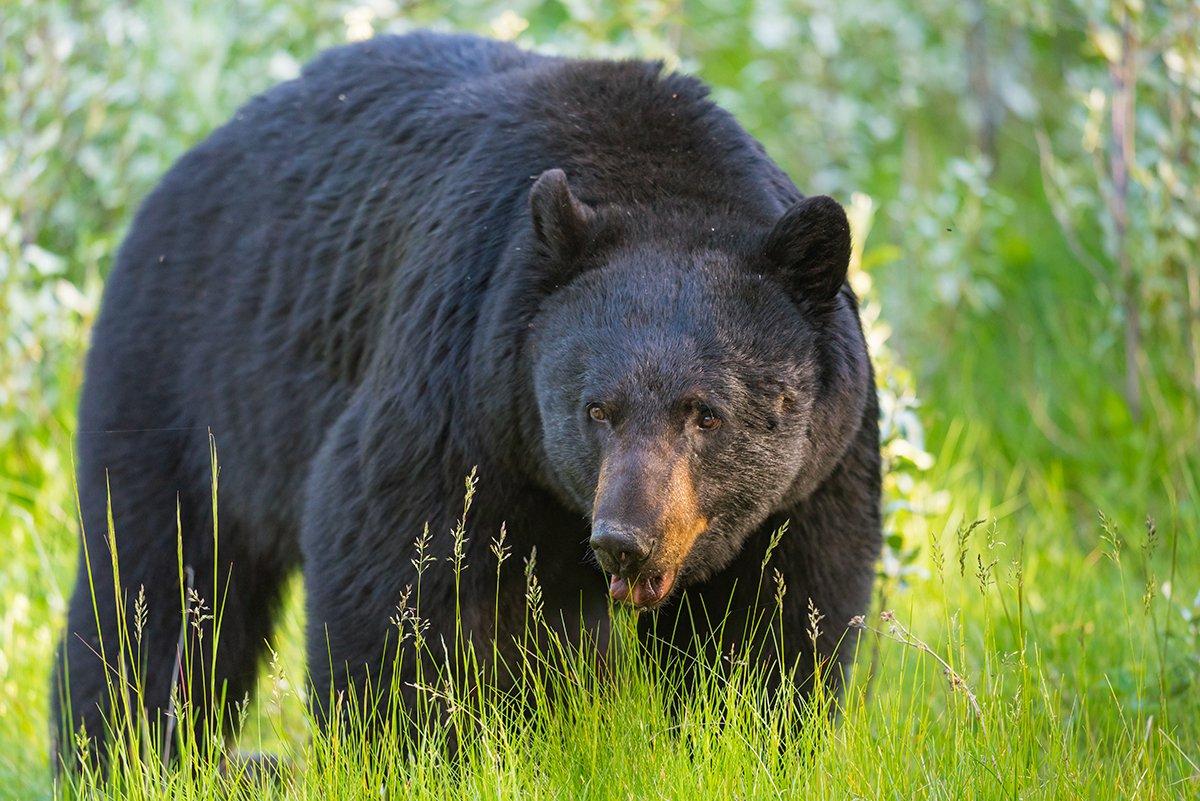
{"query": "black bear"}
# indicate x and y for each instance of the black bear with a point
(430, 253)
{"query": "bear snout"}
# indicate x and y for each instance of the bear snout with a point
(646, 518)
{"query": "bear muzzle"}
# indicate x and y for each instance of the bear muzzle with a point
(646, 518)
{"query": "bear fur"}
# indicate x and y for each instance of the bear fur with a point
(432, 253)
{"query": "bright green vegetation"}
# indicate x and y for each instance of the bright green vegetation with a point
(1001, 276)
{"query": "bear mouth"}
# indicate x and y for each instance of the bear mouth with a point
(643, 591)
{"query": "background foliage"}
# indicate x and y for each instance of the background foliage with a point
(1023, 181)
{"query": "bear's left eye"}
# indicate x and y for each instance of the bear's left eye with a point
(597, 412)
(706, 419)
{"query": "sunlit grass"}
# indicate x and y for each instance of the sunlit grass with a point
(1014, 670)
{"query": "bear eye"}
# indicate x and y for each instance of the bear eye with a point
(596, 412)
(706, 419)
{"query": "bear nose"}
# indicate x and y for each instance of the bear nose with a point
(619, 548)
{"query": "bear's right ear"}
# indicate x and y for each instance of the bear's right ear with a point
(560, 220)
(810, 249)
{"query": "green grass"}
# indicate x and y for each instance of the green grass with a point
(1082, 670)
(1052, 617)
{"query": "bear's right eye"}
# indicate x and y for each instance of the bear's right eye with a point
(596, 412)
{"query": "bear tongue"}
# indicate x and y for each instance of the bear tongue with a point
(618, 588)
(643, 592)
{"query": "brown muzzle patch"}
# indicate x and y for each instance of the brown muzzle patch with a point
(680, 520)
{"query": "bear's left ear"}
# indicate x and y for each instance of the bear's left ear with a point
(560, 220)
(810, 247)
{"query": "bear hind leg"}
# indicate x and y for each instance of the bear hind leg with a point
(137, 659)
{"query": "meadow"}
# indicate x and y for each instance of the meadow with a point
(1025, 193)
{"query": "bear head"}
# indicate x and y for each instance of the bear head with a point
(686, 392)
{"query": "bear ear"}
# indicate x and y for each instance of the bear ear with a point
(810, 248)
(560, 220)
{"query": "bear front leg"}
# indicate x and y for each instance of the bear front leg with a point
(364, 576)
(395, 608)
